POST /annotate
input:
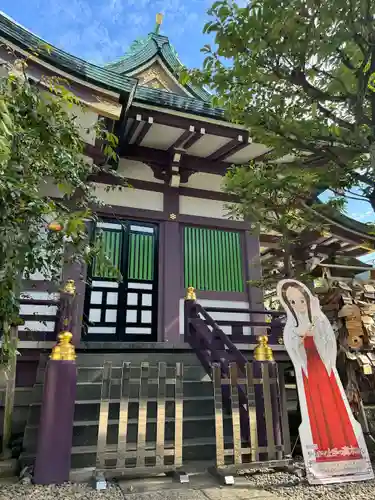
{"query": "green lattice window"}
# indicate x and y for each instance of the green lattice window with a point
(136, 251)
(141, 256)
(213, 260)
(111, 248)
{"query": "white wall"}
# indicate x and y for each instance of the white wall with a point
(129, 197)
(202, 180)
(202, 207)
(137, 170)
(86, 120)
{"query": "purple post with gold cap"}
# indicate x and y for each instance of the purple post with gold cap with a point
(53, 456)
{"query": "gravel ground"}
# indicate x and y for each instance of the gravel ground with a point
(282, 484)
(288, 486)
(65, 492)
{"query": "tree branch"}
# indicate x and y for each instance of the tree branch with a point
(344, 195)
(330, 114)
(345, 60)
(363, 178)
(298, 78)
(357, 37)
(332, 77)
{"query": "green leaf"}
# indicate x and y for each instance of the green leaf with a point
(40, 149)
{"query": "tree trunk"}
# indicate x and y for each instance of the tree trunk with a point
(372, 137)
(10, 371)
(371, 196)
(287, 256)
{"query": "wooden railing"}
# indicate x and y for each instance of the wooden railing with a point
(211, 345)
(259, 322)
(39, 309)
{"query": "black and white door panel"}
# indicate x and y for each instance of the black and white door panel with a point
(125, 308)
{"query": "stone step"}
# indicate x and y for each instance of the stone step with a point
(92, 391)
(85, 435)
(89, 410)
(91, 359)
(23, 396)
(194, 450)
(87, 374)
(198, 406)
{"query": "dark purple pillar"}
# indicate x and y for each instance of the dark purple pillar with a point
(52, 463)
(172, 275)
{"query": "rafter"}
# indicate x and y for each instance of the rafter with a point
(184, 122)
(230, 148)
(194, 138)
(162, 158)
(142, 134)
(180, 141)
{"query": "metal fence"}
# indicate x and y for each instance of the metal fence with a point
(269, 443)
(138, 404)
(140, 445)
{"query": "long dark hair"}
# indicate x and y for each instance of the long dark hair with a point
(306, 295)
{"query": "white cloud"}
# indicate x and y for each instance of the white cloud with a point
(362, 216)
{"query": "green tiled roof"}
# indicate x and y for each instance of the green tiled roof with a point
(175, 101)
(349, 223)
(23, 38)
(144, 49)
(106, 77)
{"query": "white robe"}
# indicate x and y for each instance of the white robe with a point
(324, 339)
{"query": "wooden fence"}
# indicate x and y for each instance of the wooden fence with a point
(146, 451)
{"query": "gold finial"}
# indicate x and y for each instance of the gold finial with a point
(70, 287)
(159, 20)
(64, 350)
(191, 295)
(263, 351)
(56, 352)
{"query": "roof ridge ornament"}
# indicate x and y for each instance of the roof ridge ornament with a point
(159, 20)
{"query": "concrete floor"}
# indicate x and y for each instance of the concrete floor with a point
(200, 487)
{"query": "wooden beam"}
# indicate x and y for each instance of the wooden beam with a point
(269, 240)
(164, 158)
(226, 150)
(238, 147)
(194, 138)
(142, 134)
(180, 141)
(177, 121)
(133, 129)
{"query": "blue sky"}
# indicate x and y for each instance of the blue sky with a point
(101, 31)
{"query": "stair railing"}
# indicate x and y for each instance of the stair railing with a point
(211, 345)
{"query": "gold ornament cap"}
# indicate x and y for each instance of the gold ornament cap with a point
(190, 294)
(64, 350)
(263, 351)
(70, 287)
